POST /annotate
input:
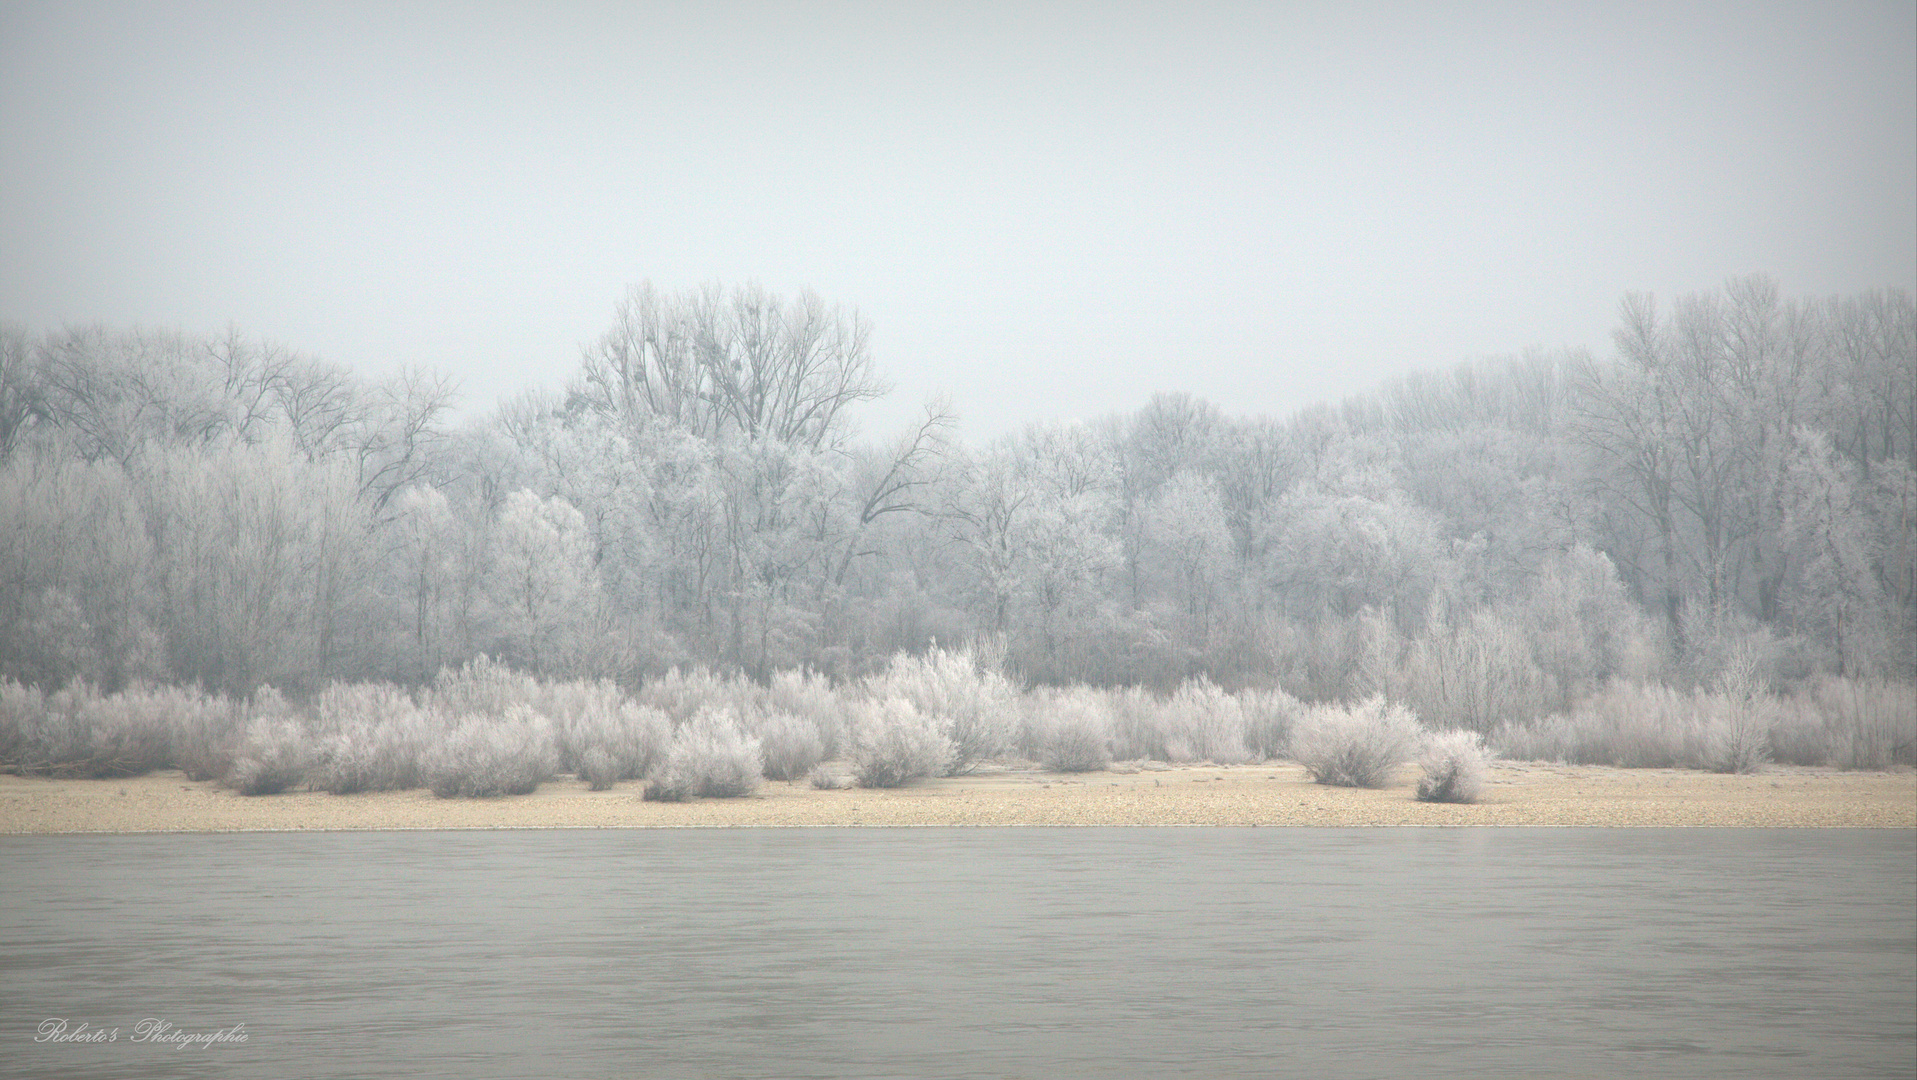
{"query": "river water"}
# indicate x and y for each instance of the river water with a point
(1045, 953)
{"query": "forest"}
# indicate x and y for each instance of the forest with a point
(1730, 499)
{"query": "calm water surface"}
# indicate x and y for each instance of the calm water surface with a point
(968, 953)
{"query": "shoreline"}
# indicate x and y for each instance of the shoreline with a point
(1274, 794)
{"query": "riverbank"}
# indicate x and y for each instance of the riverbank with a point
(1274, 794)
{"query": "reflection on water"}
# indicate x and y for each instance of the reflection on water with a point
(969, 952)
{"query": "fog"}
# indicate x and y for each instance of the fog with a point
(1046, 212)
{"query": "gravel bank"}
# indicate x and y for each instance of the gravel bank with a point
(1278, 794)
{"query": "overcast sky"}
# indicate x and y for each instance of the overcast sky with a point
(1045, 211)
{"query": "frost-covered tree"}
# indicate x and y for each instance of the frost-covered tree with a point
(544, 590)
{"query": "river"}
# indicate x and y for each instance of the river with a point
(1044, 953)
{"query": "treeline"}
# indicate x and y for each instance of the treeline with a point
(1737, 487)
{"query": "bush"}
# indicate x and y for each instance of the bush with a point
(582, 712)
(22, 708)
(1077, 733)
(892, 742)
(597, 768)
(1737, 735)
(1849, 723)
(825, 779)
(1203, 723)
(1269, 716)
(485, 758)
(792, 746)
(78, 732)
(623, 745)
(1455, 764)
(1633, 725)
(1138, 724)
(1356, 745)
(274, 756)
(809, 696)
(205, 732)
(975, 710)
(484, 687)
(708, 757)
(1739, 712)
(374, 739)
(683, 695)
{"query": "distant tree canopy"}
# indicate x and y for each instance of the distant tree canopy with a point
(1741, 474)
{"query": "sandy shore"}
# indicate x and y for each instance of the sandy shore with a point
(1520, 793)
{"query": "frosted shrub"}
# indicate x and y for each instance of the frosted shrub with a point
(1454, 764)
(484, 687)
(1269, 716)
(1473, 674)
(976, 711)
(483, 757)
(1849, 723)
(78, 732)
(1632, 725)
(1077, 733)
(792, 745)
(623, 744)
(1736, 734)
(825, 779)
(892, 742)
(131, 732)
(123, 737)
(1139, 725)
(373, 738)
(49, 736)
(709, 757)
(682, 695)
(1205, 724)
(809, 696)
(372, 755)
(205, 732)
(274, 756)
(580, 711)
(597, 768)
(22, 708)
(1355, 745)
(1738, 715)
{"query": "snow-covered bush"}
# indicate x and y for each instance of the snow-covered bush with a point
(792, 745)
(77, 731)
(1454, 765)
(484, 687)
(892, 742)
(1738, 713)
(483, 757)
(1203, 723)
(710, 757)
(974, 709)
(809, 696)
(1355, 745)
(1139, 725)
(621, 744)
(1633, 725)
(1077, 732)
(273, 757)
(684, 694)
(1269, 716)
(372, 739)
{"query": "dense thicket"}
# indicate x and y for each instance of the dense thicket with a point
(1490, 544)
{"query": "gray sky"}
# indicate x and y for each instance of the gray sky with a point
(1047, 212)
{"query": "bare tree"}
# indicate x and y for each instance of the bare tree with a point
(21, 388)
(743, 362)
